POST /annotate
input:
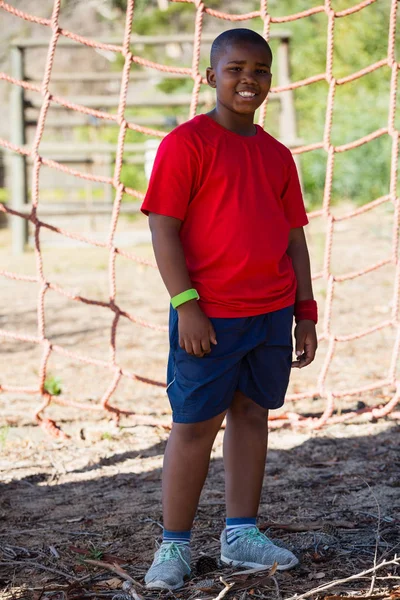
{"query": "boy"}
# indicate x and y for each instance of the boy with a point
(227, 216)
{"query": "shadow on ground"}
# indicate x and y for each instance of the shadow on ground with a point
(347, 488)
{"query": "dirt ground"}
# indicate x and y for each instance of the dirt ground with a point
(96, 496)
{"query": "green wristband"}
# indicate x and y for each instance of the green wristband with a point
(191, 294)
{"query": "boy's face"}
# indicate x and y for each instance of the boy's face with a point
(242, 77)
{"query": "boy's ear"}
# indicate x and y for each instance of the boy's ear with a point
(210, 74)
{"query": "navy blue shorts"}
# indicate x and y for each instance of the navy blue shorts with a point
(253, 355)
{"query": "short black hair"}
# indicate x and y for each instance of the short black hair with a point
(235, 36)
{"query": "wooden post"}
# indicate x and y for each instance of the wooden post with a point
(287, 123)
(19, 188)
(288, 120)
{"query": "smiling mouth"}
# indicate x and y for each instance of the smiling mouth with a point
(247, 95)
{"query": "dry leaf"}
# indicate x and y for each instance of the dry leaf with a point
(317, 558)
(113, 583)
(79, 568)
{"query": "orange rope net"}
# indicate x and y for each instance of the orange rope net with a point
(116, 372)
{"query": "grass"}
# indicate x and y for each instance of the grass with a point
(52, 385)
(95, 553)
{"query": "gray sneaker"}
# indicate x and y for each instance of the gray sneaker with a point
(254, 550)
(169, 568)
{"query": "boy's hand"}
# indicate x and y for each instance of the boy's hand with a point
(306, 343)
(196, 333)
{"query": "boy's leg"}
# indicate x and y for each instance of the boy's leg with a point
(185, 468)
(245, 450)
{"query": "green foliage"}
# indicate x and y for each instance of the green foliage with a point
(179, 85)
(177, 19)
(133, 176)
(52, 385)
(140, 5)
(360, 107)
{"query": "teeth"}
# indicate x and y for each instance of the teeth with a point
(247, 94)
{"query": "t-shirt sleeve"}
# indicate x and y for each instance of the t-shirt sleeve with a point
(292, 197)
(173, 178)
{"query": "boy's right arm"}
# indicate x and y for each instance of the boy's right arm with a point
(195, 328)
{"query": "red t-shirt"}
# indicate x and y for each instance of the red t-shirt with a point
(237, 197)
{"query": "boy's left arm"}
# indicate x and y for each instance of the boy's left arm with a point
(305, 334)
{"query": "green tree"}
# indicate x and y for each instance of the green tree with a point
(360, 107)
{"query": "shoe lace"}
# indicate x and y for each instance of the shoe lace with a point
(171, 551)
(255, 535)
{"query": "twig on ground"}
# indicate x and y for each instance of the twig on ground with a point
(278, 592)
(129, 589)
(386, 519)
(53, 587)
(384, 595)
(114, 568)
(377, 536)
(326, 586)
(256, 570)
(149, 520)
(255, 581)
(38, 566)
(299, 527)
(223, 592)
(389, 550)
(97, 594)
(54, 551)
(10, 549)
(41, 529)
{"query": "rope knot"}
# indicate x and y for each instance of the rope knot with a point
(197, 78)
(122, 122)
(55, 27)
(46, 93)
(114, 307)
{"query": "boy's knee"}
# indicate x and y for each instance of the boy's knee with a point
(204, 431)
(247, 410)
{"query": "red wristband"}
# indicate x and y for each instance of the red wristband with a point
(306, 309)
